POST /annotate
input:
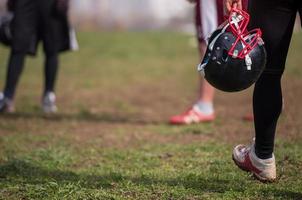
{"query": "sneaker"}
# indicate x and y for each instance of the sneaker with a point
(246, 159)
(191, 116)
(6, 104)
(248, 117)
(49, 103)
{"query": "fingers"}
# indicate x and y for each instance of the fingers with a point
(229, 4)
(235, 5)
(239, 5)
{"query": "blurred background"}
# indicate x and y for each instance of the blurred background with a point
(130, 14)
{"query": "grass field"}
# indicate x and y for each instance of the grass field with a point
(111, 139)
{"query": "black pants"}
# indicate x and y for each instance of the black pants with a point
(33, 21)
(15, 68)
(276, 19)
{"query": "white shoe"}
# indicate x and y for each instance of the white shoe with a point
(6, 104)
(49, 103)
(246, 159)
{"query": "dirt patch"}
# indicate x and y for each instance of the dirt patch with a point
(123, 119)
(154, 104)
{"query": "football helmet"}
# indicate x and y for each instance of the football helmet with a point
(235, 57)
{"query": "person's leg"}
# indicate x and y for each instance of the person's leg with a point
(15, 67)
(206, 92)
(23, 26)
(207, 18)
(276, 20)
(210, 14)
(47, 27)
(48, 34)
(268, 92)
(50, 72)
(267, 108)
(277, 25)
(23, 30)
(14, 70)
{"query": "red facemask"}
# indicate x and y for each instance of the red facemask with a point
(238, 21)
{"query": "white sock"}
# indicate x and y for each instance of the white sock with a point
(206, 108)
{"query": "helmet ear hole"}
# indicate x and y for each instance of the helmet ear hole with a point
(225, 55)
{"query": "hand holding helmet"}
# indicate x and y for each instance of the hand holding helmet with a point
(235, 57)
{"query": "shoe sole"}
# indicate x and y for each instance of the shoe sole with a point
(193, 122)
(256, 176)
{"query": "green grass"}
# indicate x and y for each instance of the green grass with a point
(111, 140)
(150, 172)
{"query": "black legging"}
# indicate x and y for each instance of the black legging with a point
(50, 72)
(15, 68)
(276, 19)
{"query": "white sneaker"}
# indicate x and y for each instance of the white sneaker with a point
(246, 159)
(6, 104)
(49, 103)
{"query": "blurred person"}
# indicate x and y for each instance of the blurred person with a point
(276, 19)
(209, 14)
(34, 21)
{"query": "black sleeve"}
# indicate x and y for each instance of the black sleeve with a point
(62, 6)
(11, 5)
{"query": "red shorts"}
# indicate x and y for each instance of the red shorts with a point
(209, 14)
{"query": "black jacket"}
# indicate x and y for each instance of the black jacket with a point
(40, 20)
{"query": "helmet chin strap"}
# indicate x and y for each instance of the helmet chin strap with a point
(200, 68)
(248, 62)
(211, 45)
(236, 19)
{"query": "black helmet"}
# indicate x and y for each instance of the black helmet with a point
(235, 58)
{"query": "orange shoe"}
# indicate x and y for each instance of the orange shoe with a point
(191, 116)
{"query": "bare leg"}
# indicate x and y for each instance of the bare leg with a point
(202, 110)
(206, 91)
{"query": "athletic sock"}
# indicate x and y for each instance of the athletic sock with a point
(206, 108)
